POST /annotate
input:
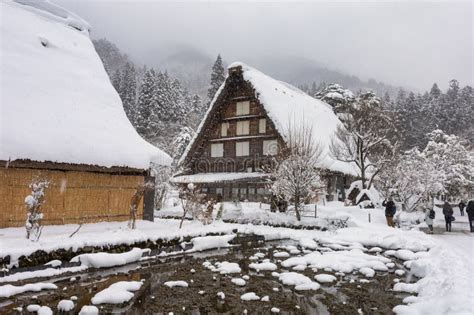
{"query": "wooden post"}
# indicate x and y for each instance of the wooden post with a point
(315, 210)
(369, 217)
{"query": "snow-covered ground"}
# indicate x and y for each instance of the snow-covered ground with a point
(444, 261)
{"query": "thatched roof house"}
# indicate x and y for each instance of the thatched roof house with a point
(62, 120)
(246, 123)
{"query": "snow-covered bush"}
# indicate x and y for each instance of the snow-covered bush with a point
(33, 202)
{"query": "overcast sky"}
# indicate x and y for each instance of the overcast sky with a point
(409, 43)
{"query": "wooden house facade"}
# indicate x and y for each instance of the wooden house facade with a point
(239, 137)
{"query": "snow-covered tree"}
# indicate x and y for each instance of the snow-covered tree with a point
(180, 143)
(452, 159)
(444, 166)
(336, 96)
(147, 100)
(365, 138)
(128, 91)
(295, 173)
(217, 77)
(412, 178)
(33, 203)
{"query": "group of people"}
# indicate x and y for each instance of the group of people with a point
(430, 214)
(449, 213)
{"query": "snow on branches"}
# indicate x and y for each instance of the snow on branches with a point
(444, 166)
(194, 203)
(366, 137)
(450, 156)
(296, 177)
(33, 203)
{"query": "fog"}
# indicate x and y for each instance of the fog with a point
(408, 43)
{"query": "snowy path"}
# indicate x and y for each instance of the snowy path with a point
(448, 287)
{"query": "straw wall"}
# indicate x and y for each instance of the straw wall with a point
(72, 197)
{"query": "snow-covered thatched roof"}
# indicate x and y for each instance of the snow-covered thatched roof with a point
(57, 102)
(287, 105)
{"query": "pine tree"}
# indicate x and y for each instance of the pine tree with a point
(129, 91)
(147, 100)
(435, 92)
(117, 82)
(217, 77)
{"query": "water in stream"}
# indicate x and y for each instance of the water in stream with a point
(346, 296)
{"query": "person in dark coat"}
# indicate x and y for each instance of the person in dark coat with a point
(448, 215)
(470, 213)
(461, 206)
(390, 210)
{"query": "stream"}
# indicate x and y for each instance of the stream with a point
(347, 295)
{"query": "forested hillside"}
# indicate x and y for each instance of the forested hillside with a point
(166, 110)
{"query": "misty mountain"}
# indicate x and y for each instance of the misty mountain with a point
(302, 71)
(192, 67)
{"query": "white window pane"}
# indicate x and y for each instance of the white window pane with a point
(217, 150)
(242, 148)
(270, 147)
(224, 127)
(243, 127)
(242, 108)
(262, 125)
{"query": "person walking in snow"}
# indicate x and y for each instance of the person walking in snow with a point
(430, 215)
(470, 213)
(448, 215)
(390, 210)
(461, 206)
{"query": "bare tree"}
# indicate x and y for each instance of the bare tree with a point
(366, 137)
(33, 202)
(192, 202)
(135, 201)
(162, 175)
(295, 173)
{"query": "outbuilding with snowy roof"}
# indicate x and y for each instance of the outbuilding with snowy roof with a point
(62, 121)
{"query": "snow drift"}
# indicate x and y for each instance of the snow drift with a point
(57, 102)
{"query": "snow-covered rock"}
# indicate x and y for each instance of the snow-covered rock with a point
(179, 283)
(264, 266)
(103, 260)
(249, 296)
(226, 267)
(117, 293)
(238, 281)
(325, 278)
(89, 310)
(10, 290)
(65, 305)
(208, 242)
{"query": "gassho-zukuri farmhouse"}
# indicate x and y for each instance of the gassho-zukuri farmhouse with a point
(62, 121)
(245, 126)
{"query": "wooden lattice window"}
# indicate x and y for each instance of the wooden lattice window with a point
(242, 148)
(243, 127)
(242, 108)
